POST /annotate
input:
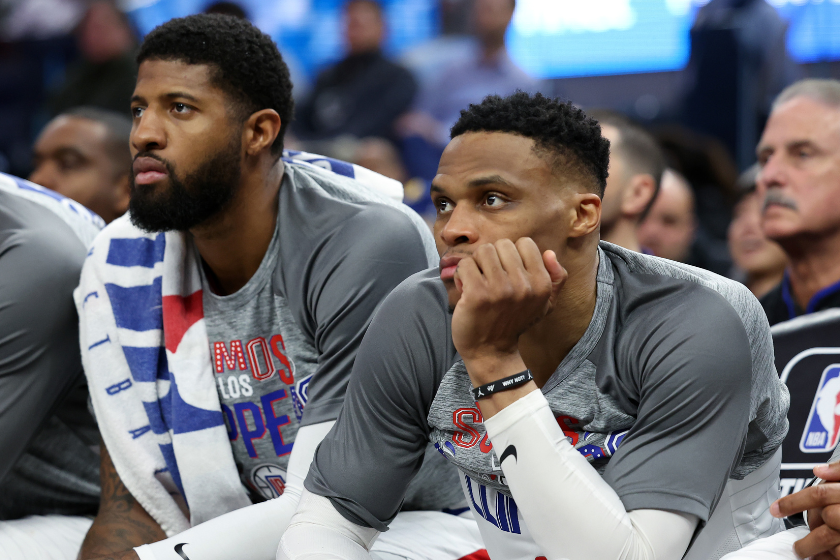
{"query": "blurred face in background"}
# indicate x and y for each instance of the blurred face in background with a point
(751, 251)
(491, 19)
(669, 228)
(74, 156)
(364, 29)
(103, 33)
(616, 181)
(799, 182)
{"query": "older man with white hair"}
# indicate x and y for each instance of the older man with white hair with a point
(799, 154)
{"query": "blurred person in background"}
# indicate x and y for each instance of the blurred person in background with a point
(636, 167)
(799, 183)
(362, 94)
(669, 228)
(489, 70)
(377, 154)
(710, 171)
(760, 261)
(49, 464)
(104, 75)
(227, 9)
(83, 154)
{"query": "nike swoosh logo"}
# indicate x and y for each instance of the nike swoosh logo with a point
(179, 549)
(510, 451)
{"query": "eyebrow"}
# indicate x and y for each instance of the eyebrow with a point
(171, 95)
(764, 149)
(478, 182)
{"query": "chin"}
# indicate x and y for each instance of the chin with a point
(453, 296)
(779, 231)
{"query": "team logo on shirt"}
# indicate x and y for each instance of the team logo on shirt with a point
(270, 480)
(822, 430)
(300, 396)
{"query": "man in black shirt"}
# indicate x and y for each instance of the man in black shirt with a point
(363, 93)
(799, 154)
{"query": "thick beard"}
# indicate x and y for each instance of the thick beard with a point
(200, 197)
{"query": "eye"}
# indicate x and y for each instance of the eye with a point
(137, 112)
(69, 162)
(494, 201)
(181, 108)
(443, 206)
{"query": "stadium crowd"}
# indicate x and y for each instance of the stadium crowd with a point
(225, 333)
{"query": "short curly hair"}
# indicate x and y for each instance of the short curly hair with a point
(561, 131)
(247, 65)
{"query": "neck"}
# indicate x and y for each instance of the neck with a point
(234, 244)
(544, 345)
(623, 234)
(492, 48)
(813, 266)
(762, 282)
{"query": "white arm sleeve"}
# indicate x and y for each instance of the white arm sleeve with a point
(566, 504)
(254, 531)
(318, 531)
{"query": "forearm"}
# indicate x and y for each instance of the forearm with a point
(566, 504)
(116, 530)
(256, 528)
(121, 523)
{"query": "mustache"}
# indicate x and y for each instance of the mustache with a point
(169, 167)
(775, 196)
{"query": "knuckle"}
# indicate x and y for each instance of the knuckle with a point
(831, 516)
(820, 493)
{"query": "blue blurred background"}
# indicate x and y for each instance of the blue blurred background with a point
(547, 38)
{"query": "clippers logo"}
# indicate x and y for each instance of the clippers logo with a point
(300, 395)
(822, 430)
(270, 480)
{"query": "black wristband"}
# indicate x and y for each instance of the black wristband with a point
(503, 384)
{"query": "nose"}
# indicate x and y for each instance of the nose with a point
(460, 227)
(772, 174)
(147, 132)
(45, 175)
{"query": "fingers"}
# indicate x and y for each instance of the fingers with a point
(820, 495)
(820, 540)
(829, 473)
(512, 270)
(555, 270)
(467, 275)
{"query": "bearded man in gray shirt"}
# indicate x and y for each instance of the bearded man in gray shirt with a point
(599, 403)
(289, 262)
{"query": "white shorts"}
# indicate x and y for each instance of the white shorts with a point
(777, 547)
(43, 537)
(430, 535)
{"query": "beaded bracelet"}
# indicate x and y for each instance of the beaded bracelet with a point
(503, 384)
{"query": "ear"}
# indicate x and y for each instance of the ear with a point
(260, 130)
(638, 194)
(586, 216)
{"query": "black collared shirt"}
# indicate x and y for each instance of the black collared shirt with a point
(779, 304)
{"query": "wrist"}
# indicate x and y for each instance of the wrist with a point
(491, 367)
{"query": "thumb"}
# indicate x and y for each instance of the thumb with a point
(829, 473)
(556, 272)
